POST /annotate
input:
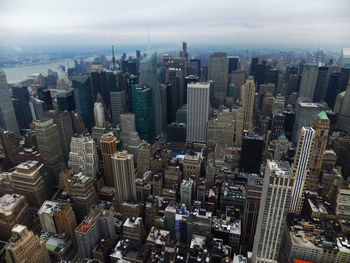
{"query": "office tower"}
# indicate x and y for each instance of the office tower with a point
(337, 83)
(14, 210)
(345, 57)
(238, 117)
(49, 145)
(65, 101)
(57, 218)
(118, 105)
(232, 64)
(254, 188)
(251, 153)
(77, 123)
(149, 76)
(186, 189)
(63, 122)
(134, 229)
(37, 108)
(305, 113)
(7, 114)
(83, 98)
(253, 64)
(342, 202)
(194, 67)
(197, 112)
(300, 168)
(129, 135)
(143, 110)
(217, 72)
(221, 129)
(10, 144)
(192, 165)
(124, 176)
(97, 225)
(82, 191)
(343, 122)
(247, 97)
(277, 126)
(83, 156)
(308, 81)
(21, 106)
(99, 115)
(24, 246)
(238, 78)
(278, 104)
(320, 139)
(27, 181)
(293, 84)
(274, 204)
(323, 77)
(163, 97)
(44, 95)
(108, 146)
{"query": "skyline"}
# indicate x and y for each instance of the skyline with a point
(298, 23)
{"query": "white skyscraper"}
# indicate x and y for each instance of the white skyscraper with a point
(99, 115)
(8, 119)
(300, 168)
(197, 111)
(274, 203)
(308, 81)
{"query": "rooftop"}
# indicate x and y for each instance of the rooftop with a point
(8, 202)
(322, 115)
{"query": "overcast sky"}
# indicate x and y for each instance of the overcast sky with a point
(315, 23)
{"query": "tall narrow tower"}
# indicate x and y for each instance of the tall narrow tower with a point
(108, 144)
(8, 119)
(300, 168)
(247, 96)
(321, 126)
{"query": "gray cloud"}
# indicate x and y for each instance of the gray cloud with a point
(279, 22)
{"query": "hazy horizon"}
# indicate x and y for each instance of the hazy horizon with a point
(320, 24)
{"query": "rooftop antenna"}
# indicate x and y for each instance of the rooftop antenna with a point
(113, 58)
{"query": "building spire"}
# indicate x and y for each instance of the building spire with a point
(113, 59)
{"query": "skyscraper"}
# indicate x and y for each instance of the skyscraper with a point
(186, 189)
(217, 71)
(118, 105)
(7, 114)
(21, 106)
(274, 203)
(321, 126)
(124, 177)
(300, 168)
(84, 100)
(24, 246)
(345, 57)
(251, 153)
(343, 122)
(49, 145)
(308, 81)
(149, 76)
(197, 111)
(99, 114)
(232, 64)
(247, 97)
(142, 105)
(65, 101)
(108, 147)
(129, 135)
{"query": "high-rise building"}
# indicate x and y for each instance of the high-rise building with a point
(27, 181)
(37, 108)
(65, 101)
(44, 95)
(149, 76)
(300, 168)
(337, 83)
(63, 121)
(118, 105)
(217, 72)
(84, 100)
(108, 146)
(320, 139)
(323, 77)
(24, 246)
(57, 218)
(308, 81)
(82, 190)
(232, 64)
(99, 114)
(251, 153)
(305, 113)
(197, 111)
(49, 145)
(124, 176)
(10, 144)
(143, 109)
(129, 135)
(274, 204)
(14, 210)
(7, 114)
(247, 97)
(343, 122)
(186, 190)
(345, 57)
(21, 106)
(221, 128)
(97, 225)
(83, 156)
